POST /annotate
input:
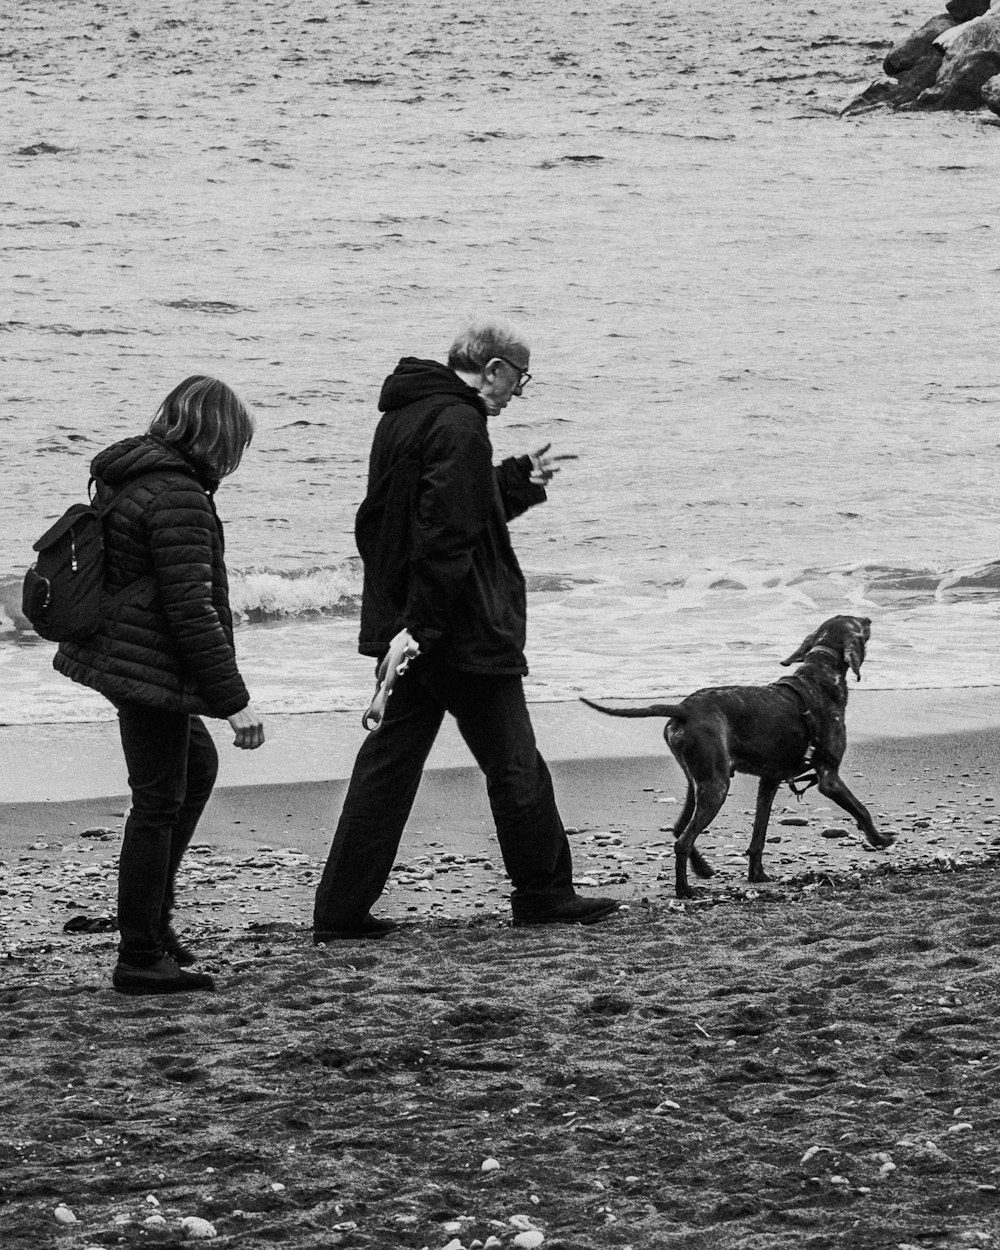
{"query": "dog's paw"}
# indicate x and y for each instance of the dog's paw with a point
(700, 865)
(882, 840)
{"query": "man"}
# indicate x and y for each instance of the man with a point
(460, 623)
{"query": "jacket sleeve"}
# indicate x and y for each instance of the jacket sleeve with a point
(180, 530)
(516, 490)
(457, 493)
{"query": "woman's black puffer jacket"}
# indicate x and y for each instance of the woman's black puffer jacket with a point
(170, 644)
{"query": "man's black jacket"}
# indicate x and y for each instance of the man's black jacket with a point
(466, 597)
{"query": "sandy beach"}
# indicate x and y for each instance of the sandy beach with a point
(922, 761)
(807, 1063)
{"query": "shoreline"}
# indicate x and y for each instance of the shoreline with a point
(51, 763)
(263, 839)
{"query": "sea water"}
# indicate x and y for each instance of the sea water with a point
(766, 331)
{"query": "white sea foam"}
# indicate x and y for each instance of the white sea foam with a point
(267, 595)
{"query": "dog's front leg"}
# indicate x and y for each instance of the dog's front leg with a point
(765, 800)
(832, 785)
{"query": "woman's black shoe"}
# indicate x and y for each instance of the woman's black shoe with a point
(163, 977)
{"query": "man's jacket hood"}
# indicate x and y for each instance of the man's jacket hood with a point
(413, 380)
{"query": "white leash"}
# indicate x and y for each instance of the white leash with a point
(403, 650)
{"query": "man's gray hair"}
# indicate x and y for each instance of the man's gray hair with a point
(480, 341)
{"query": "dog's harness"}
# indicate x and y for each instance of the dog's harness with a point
(808, 699)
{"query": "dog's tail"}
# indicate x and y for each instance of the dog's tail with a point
(671, 710)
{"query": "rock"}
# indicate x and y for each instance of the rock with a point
(154, 1221)
(981, 34)
(833, 832)
(64, 1215)
(197, 1229)
(490, 1165)
(529, 1240)
(966, 10)
(914, 81)
(960, 81)
(909, 51)
(990, 92)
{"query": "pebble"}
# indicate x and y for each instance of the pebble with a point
(64, 1215)
(454, 1244)
(154, 1221)
(667, 1105)
(490, 1165)
(529, 1240)
(793, 820)
(197, 1229)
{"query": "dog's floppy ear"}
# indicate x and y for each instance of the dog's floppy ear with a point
(854, 646)
(801, 651)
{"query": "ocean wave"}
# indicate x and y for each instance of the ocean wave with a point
(261, 595)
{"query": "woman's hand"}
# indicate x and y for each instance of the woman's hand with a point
(249, 728)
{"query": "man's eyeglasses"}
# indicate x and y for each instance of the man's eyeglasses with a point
(523, 377)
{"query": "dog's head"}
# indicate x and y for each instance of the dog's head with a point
(845, 636)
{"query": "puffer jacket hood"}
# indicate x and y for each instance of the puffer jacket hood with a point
(413, 380)
(144, 453)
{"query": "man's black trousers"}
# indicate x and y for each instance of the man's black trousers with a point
(492, 717)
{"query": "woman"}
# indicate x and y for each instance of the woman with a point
(164, 656)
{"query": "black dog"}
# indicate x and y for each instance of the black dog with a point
(790, 731)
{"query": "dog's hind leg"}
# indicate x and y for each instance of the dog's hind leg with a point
(766, 791)
(832, 785)
(702, 868)
(709, 797)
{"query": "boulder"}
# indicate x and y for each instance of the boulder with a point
(960, 81)
(911, 50)
(966, 10)
(990, 92)
(900, 94)
(981, 34)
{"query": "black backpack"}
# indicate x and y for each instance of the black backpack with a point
(382, 526)
(63, 592)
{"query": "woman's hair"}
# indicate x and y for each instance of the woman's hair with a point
(480, 341)
(206, 421)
